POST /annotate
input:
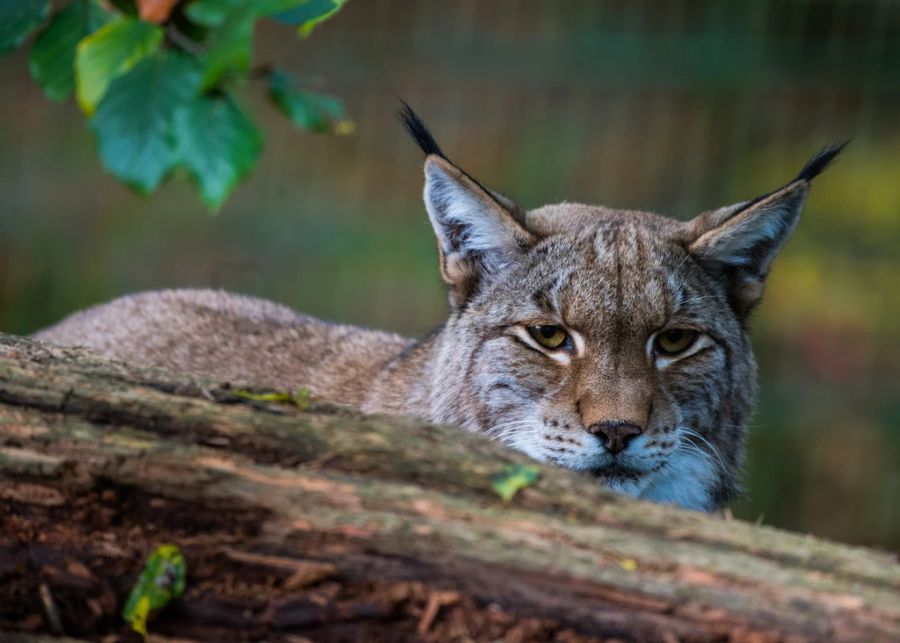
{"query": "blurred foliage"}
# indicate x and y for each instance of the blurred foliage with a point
(674, 107)
(155, 77)
(18, 18)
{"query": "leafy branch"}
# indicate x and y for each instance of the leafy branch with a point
(156, 80)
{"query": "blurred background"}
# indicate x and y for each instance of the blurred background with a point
(674, 107)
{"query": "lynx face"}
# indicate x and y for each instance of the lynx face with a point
(609, 342)
(605, 347)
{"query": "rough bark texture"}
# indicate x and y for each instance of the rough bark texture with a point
(325, 524)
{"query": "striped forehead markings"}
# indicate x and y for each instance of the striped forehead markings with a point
(546, 297)
(617, 318)
(617, 272)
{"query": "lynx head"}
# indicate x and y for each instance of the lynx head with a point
(606, 341)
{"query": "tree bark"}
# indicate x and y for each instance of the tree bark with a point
(325, 523)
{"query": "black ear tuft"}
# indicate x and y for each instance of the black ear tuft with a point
(417, 129)
(823, 158)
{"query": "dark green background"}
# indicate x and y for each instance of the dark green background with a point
(669, 106)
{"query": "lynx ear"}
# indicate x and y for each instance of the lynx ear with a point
(739, 242)
(477, 236)
(478, 231)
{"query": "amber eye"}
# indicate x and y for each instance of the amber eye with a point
(548, 336)
(675, 340)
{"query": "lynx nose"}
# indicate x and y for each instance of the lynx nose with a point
(616, 435)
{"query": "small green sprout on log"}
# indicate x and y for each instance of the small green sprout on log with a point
(161, 581)
(513, 478)
(301, 399)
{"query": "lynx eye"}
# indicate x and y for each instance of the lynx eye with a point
(675, 341)
(548, 336)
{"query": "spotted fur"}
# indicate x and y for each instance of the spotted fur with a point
(612, 279)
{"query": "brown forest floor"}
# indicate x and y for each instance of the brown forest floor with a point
(288, 603)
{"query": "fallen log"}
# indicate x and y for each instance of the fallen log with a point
(322, 523)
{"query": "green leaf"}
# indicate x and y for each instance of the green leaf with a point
(52, 60)
(304, 14)
(162, 580)
(18, 18)
(212, 13)
(230, 47)
(309, 13)
(217, 143)
(109, 53)
(307, 109)
(513, 478)
(301, 399)
(134, 120)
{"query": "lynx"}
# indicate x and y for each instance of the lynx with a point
(610, 342)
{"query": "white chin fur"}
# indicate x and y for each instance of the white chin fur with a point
(685, 481)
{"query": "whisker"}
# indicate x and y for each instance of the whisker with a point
(505, 430)
(690, 433)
